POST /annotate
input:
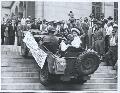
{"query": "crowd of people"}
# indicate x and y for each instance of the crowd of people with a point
(101, 35)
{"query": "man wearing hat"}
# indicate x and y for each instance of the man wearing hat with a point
(50, 41)
(112, 54)
(91, 19)
(85, 28)
(11, 34)
(19, 33)
(110, 19)
(43, 26)
(99, 41)
(102, 19)
(108, 33)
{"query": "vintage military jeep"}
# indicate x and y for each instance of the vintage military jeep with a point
(73, 65)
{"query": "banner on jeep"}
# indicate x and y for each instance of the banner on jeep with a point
(38, 54)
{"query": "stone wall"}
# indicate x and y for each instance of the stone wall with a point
(60, 10)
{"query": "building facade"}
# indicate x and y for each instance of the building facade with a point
(59, 10)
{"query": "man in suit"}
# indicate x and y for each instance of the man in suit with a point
(112, 54)
(85, 28)
(3, 26)
(99, 43)
(11, 34)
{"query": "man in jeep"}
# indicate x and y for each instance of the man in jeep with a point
(50, 41)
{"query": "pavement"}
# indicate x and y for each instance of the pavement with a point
(18, 73)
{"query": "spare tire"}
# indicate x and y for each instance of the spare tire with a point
(87, 63)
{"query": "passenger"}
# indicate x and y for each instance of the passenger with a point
(75, 43)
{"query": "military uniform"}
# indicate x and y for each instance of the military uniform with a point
(50, 41)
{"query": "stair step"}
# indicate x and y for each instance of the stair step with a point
(22, 86)
(58, 87)
(99, 86)
(105, 71)
(100, 75)
(10, 48)
(20, 74)
(102, 64)
(22, 60)
(95, 80)
(20, 80)
(19, 64)
(105, 67)
(19, 69)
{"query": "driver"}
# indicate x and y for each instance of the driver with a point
(50, 41)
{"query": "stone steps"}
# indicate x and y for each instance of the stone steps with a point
(20, 80)
(36, 74)
(19, 69)
(22, 86)
(38, 86)
(20, 73)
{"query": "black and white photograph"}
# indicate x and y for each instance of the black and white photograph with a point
(59, 46)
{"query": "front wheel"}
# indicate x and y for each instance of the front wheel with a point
(45, 76)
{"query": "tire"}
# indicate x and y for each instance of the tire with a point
(87, 63)
(24, 49)
(45, 76)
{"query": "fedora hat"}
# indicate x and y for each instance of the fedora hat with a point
(110, 18)
(91, 15)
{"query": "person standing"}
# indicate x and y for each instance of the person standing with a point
(11, 34)
(85, 28)
(111, 56)
(43, 26)
(91, 30)
(23, 24)
(99, 44)
(19, 34)
(108, 33)
(3, 26)
(6, 35)
(102, 19)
